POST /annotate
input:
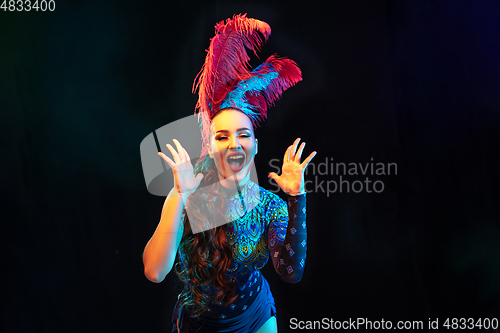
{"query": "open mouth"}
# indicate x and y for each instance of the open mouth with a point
(236, 161)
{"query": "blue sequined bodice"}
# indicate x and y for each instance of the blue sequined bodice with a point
(249, 213)
(247, 233)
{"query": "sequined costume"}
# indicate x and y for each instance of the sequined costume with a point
(271, 228)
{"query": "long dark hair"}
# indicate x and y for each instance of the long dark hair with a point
(207, 254)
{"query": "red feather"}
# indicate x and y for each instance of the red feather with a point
(288, 75)
(227, 59)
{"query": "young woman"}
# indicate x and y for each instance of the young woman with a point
(224, 290)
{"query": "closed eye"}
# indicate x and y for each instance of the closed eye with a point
(220, 138)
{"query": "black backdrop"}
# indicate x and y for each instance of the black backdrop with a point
(416, 83)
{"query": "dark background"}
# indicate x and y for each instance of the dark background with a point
(415, 83)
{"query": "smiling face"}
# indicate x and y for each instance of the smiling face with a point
(232, 146)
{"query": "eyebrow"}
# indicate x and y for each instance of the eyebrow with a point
(239, 129)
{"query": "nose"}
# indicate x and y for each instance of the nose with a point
(234, 143)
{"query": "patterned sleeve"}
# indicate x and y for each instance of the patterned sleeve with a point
(287, 238)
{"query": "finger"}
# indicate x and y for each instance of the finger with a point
(177, 159)
(170, 163)
(308, 159)
(180, 149)
(292, 152)
(273, 176)
(188, 159)
(287, 152)
(299, 152)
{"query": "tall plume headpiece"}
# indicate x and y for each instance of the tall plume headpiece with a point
(226, 81)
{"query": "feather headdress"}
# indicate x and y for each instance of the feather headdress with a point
(226, 81)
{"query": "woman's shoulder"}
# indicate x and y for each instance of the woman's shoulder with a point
(274, 207)
(270, 198)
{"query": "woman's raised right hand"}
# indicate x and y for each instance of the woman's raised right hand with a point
(184, 179)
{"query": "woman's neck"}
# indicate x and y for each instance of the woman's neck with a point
(233, 183)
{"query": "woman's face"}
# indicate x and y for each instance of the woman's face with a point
(232, 146)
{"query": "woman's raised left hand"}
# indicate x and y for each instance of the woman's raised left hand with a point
(291, 179)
